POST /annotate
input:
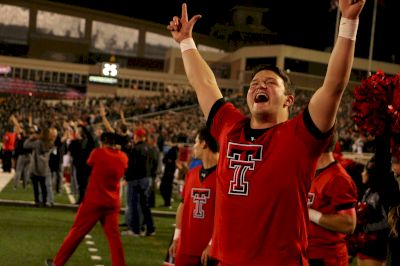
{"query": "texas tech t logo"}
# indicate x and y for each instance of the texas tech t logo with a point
(200, 197)
(242, 158)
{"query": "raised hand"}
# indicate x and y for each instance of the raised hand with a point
(351, 9)
(102, 109)
(181, 28)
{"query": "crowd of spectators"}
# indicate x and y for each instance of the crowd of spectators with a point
(171, 119)
(176, 126)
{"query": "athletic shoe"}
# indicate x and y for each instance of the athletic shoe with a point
(129, 233)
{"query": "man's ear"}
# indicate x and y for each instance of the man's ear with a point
(204, 145)
(289, 101)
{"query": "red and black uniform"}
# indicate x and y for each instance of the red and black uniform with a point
(9, 141)
(101, 203)
(332, 190)
(263, 180)
(197, 216)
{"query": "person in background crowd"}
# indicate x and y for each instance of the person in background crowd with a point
(267, 161)
(138, 176)
(9, 140)
(154, 169)
(393, 258)
(101, 203)
(372, 229)
(23, 155)
(168, 176)
(41, 142)
(80, 149)
(55, 162)
(122, 134)
(382, 193)
(332, 201)
(195, 214)
(396, 167)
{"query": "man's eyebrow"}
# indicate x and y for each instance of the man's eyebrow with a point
(264, 79)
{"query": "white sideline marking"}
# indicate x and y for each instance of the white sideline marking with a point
(94, 257)
(92, 249)
(69, 194)
(5, 178)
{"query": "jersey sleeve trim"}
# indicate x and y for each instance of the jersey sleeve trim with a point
(214, 109)
(345, 206)
(312, 128)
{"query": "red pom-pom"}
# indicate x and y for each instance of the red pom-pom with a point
(377, 102)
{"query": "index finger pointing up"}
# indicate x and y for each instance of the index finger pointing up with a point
(184, 15)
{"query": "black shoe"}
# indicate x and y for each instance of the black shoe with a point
(151, 233)
(123, 225)
(49, 262)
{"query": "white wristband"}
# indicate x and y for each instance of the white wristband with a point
(314, 215)
(348, 28)
(187, 44)
(177, 233)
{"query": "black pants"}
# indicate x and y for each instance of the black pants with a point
(7, 161)
(36, 181)
(166, 188)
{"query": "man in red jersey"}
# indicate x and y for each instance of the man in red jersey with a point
(267, 161)
(101, 202)
(195, 214)
(332, 200)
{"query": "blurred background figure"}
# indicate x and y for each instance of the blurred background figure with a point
(22, 155)
(332, 201)
(168, 176)
(372, 228)
(138, 177)
(41, 142)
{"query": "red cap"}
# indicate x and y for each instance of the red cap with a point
(140, 132)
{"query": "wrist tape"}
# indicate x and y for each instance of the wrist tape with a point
(187, 44)
(348, 28)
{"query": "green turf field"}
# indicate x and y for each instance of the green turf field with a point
(29, 235)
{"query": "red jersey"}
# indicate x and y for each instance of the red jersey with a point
(108, 167)
(198, 210)
(332, 190)
(261, 213)
(9, 140)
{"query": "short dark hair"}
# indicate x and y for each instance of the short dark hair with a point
(123, 128)
(289, 88)
(108, 138)
(212, 144)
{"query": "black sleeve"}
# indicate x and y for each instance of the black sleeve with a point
(214, 110)
(312, 128)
